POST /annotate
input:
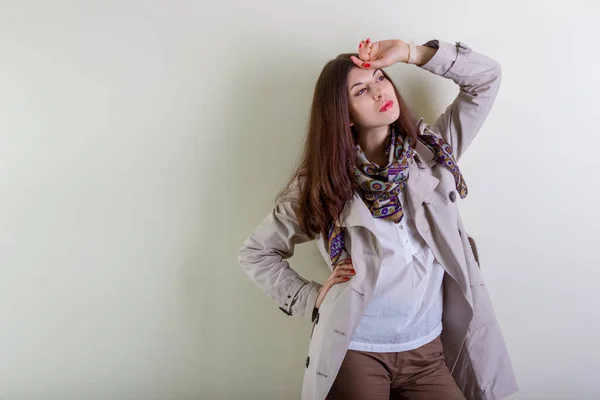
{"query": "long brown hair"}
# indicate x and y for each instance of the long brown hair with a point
(325, 173)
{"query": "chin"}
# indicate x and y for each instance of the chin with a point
(392, 116)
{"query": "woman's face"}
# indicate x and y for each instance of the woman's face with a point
(372, 100)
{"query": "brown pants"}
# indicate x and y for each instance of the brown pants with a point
(419, 374)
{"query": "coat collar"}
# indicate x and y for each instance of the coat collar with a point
(418, 188)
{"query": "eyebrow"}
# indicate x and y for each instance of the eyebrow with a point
(360, 83)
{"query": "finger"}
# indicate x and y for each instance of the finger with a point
(342, 279)
(344, 269)
(368, 64)
(365, 46)
(345, 272)
(357, 61)
(382, 63)
(345, 261)
(362, 54)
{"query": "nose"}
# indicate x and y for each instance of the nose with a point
(377, 94)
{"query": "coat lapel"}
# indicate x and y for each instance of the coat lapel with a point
(419, 188)
(441, 237)
(357, 214)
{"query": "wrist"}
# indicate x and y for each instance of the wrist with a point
(412, 54)
(423, 55)
(403, 52)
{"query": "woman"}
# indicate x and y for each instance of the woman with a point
(405, 312)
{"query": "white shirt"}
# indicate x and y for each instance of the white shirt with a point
(405, 311)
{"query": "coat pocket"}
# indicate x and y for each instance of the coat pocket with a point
(483, 311)
(472, 259)
(475, 275)
(473, 249)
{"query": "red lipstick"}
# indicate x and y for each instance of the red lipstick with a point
(386, 106)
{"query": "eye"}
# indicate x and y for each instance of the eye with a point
(378, 79)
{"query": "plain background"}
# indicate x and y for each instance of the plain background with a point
(142, 141)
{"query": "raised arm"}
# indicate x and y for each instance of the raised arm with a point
(477, 75)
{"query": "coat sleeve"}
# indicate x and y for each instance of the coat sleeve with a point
(263, 258)
(478, 77)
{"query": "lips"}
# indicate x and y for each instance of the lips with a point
(386, 106)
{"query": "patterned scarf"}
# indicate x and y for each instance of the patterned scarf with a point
(381, 187)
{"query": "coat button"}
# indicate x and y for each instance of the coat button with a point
(307, 361)
(452, 196)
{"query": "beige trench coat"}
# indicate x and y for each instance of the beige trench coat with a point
(474, 348)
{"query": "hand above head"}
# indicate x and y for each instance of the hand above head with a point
(381, 54)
